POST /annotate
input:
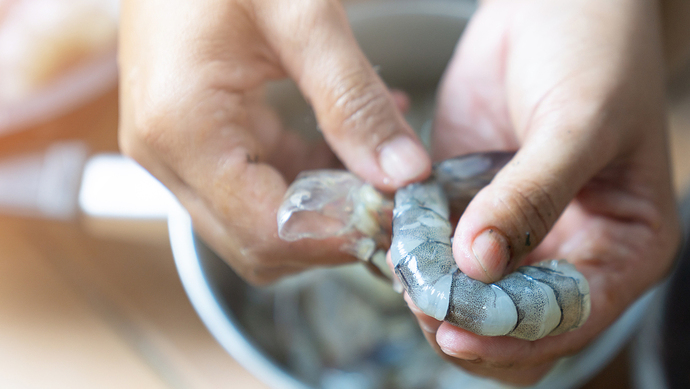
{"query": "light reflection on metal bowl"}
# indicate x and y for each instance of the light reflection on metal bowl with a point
(342, 328)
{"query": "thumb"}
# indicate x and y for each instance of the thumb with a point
(353, 106)
(510, 217)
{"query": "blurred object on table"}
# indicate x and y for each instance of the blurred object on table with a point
(43, 184)
(119, 199)
(54, 54)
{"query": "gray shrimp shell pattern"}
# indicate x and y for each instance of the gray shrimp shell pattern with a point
(548, 298)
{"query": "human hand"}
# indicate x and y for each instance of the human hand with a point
(577, 87)
(192, 114)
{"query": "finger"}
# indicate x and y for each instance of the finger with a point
(512, 371)
(238, 222)
(354, 108)
(572, 121)
(201, 140)
(513, 214)
(520, 361)
(485, 356)
(242, 229)
(472, 110)
(491, 357)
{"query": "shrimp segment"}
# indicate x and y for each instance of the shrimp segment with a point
(548, 298)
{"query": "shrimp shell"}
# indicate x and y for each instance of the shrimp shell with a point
(547, 298)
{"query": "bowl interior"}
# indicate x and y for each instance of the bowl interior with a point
(342, 328)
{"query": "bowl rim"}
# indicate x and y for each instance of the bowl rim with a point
(569, 372)
(220, 323)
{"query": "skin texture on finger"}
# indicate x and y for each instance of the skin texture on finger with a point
(475, 117)
(615, 281)
(619, 257)
(355, 110)
(248, 239)
(610, 274)
(578, 88)
(616, 278)
(191, 114)
(462, 348)
(566, 113)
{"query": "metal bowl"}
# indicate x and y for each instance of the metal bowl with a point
(317, 329)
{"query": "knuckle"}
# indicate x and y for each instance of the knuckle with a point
(148, 108)
(364, 109)
(133, 145)
(151, 124)
(145, 131)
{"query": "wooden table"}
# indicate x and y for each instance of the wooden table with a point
(79, 311)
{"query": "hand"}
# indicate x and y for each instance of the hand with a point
(192, 114)
(578, 88)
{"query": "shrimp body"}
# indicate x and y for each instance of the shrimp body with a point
(547, 298)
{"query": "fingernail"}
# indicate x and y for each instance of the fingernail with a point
(490, 249)
(402, 159)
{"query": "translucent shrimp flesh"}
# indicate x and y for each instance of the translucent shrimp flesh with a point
(547, 298)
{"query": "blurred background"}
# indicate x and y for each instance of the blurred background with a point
(89, 299)
(81, 306)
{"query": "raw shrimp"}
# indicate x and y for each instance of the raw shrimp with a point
(547, 298)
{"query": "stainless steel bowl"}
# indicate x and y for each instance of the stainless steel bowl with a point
(286, 334)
